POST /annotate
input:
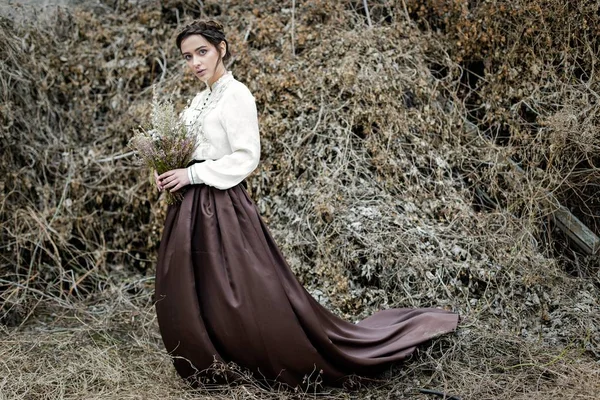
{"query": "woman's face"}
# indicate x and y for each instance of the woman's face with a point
(202, 58)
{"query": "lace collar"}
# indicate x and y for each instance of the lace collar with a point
(227, 76)
(207, 101)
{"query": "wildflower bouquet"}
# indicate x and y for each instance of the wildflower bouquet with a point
(166, 144)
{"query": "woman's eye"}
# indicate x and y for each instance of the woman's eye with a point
(187, 58)
(202, 52)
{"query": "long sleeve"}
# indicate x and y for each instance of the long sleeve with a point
(239, 118)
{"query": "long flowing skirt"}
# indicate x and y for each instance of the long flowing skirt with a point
(225, 293)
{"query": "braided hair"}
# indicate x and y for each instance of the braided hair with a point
(211, 30)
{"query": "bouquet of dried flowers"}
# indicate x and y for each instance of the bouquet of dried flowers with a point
(166, 144)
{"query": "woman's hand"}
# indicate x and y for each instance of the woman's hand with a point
(157, 181)
(174, 180)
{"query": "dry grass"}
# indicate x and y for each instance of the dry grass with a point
(367, 182)
(109, 348)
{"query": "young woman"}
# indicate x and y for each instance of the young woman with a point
(223, 290)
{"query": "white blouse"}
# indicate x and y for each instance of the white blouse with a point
(225, 120)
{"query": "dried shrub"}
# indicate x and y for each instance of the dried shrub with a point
(366, 182)
(530, 67)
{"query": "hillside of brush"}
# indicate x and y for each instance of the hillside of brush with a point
(413, 155)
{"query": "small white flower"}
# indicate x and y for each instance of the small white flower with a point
(154, 134)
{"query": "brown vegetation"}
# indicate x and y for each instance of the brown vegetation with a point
(369, 181)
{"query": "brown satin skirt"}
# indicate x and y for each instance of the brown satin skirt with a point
(225, 293)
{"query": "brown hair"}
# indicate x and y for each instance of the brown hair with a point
(211, 30)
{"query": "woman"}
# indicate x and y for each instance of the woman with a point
(223, 290)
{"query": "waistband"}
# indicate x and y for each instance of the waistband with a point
(243, 183)
(194, 162)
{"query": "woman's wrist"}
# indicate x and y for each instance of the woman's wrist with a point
(190, 175)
